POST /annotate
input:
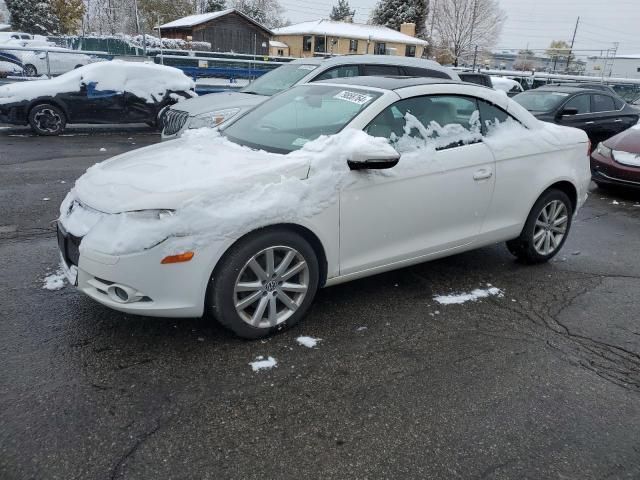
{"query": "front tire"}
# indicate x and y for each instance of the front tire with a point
(47, 119)
(30, 70)
(545, 230)
(264, 284)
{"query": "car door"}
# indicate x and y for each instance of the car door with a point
(584, 119)
(434, 200)
(96, 105)
(608, 121)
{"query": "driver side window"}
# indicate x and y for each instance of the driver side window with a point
(438, 121)
(582, 103)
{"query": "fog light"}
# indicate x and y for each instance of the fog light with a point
(182, 257)
(121, 294)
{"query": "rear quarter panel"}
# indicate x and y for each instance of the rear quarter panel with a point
(528, 165)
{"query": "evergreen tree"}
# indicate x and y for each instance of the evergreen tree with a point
(393, 13)
(215, 6)
(33, 16)
(69, 13)
(342, 12)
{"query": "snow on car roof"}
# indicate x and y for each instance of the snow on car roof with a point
(377, 33)
(145, 80)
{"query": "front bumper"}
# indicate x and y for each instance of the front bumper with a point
(151, 288)
(607, 171)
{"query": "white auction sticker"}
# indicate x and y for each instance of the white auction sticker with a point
(353, 97)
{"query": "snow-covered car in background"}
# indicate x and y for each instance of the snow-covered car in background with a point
(105, 92)
(45, 58)
(508, 85)
(321, 184)
(8, 69)
(217, 108)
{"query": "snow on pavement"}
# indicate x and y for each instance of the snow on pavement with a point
(459, 298)
(261, 363)
(308, 342)
(55, 281)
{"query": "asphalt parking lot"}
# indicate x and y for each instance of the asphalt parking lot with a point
(542, 382)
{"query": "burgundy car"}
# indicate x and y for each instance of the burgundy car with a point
(616, 161)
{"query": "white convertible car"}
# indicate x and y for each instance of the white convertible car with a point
(321, 184)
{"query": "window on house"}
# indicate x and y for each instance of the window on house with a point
(306, 43)
(410, 51)
(321, 44)
(380, 48)
(280, 52)
(353, 47)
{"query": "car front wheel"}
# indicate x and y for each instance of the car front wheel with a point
(265, 283)
(545, 230)
(30, 70)
(47, 119)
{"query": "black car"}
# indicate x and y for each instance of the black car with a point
(600, 114)
(101, 93)
(477, 78)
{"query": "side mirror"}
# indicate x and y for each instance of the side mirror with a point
(363, 160)
(568, 112)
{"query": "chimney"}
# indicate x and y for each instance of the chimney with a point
(408, 29)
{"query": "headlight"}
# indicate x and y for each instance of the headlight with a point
(604, 151)
(160, 214)
(212, 119)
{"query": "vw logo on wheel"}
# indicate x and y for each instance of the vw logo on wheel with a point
(271, 286)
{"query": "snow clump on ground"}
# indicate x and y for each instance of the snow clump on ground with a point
(262, 363)
(459, 298)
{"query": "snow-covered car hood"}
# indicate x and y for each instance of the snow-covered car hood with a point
(220, 101)
(168, 175)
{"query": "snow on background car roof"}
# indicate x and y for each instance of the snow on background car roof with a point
(145, 80)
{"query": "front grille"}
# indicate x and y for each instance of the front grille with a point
(173, 121)
(69, 246)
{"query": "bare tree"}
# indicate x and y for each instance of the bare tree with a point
(463, 24)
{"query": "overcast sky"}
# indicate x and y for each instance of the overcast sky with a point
(529, 22)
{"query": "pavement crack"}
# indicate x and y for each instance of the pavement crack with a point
(117, 469)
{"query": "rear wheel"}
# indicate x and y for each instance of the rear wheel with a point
(30, 70)
(47, 119)
(545, 230)
(264, 284)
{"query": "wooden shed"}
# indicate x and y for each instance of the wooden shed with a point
(227, 31)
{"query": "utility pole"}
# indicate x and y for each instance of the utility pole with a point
(573, 39)
(473, 23)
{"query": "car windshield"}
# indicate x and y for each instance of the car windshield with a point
(540, 101)
(300, 115)
(279, 79)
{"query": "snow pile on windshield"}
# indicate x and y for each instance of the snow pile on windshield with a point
(459, 298)
(203, 188)
(145, 80)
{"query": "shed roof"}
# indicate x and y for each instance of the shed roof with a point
(193, 20)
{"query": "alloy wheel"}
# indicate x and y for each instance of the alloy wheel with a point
(48, 120)
(550, 228)
(271, 286)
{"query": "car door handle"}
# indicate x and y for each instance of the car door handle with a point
(482, 174)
